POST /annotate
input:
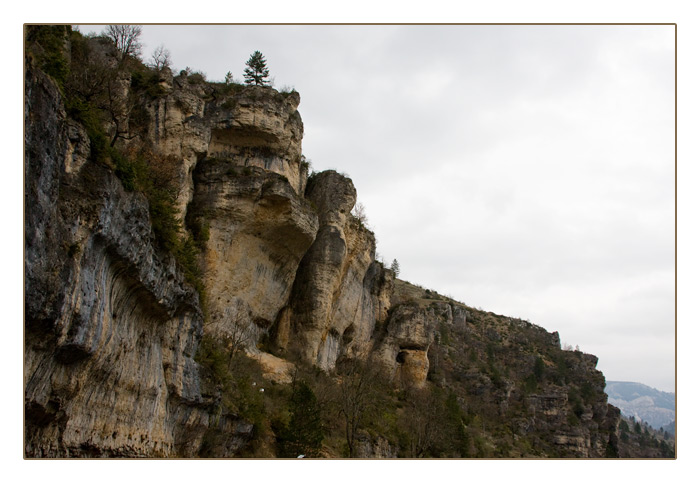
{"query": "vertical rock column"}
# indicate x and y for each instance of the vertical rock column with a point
(321, 270)
(340, 291)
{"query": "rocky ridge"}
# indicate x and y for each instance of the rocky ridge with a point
(115, 325)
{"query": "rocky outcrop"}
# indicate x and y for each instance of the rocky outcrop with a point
(581, 426)
(377, 447)
(405, 340)
(250, 127)
(258, 231)
(340, 291)
(409, 332)
(260, 127)
(242, 181)
(549, 405)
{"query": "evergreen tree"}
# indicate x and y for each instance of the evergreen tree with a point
(538, 369)
(304, 433)
(395, 267)
(256, 72)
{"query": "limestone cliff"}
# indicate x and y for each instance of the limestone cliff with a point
(174, 316)
(340, 291)
(112, 322)
(111, 326)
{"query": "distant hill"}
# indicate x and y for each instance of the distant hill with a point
(639, 401)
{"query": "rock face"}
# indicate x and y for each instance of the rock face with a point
(115, 324)
(259, 127)
(111, 327)
(592, 430)
(242, 180)
(255, 127)
(340, 291)
(259, 230)
(375, 448)
(404, 350)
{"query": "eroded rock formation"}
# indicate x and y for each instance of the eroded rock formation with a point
(111, 326)
(340, 291)
(113, 322)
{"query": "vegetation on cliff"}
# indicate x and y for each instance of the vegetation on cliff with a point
(311, 347)
(104, 85)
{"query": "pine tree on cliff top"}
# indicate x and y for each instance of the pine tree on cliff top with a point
(395, 267)
(257, 71)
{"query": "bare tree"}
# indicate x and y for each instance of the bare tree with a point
(126, 40)
(422, 421)
(235, 332)
(359, 213)
(239, 336)
(160, 59)
(358, 394)
(89, 76)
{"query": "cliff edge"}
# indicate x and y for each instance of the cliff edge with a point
(192, 290)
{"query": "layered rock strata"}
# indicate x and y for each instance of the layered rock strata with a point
(253, 127)
(111, 327)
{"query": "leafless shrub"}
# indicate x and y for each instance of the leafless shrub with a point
(126, 40)
(359, 214)
(160, 59)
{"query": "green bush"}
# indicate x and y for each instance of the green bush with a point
(304, 433)
(200, 232)
(214, 359)
(538, 369)
(530, 386)
(233, 373)
(147, 81)
(196, 78)
(229, 104)
(588, 393)
(91, 118)
(49, 42)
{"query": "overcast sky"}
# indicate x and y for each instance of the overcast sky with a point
(524, 170)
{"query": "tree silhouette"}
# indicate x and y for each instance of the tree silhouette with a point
(160, 59)
(256, 72)
(126, 38)
(395, 268)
